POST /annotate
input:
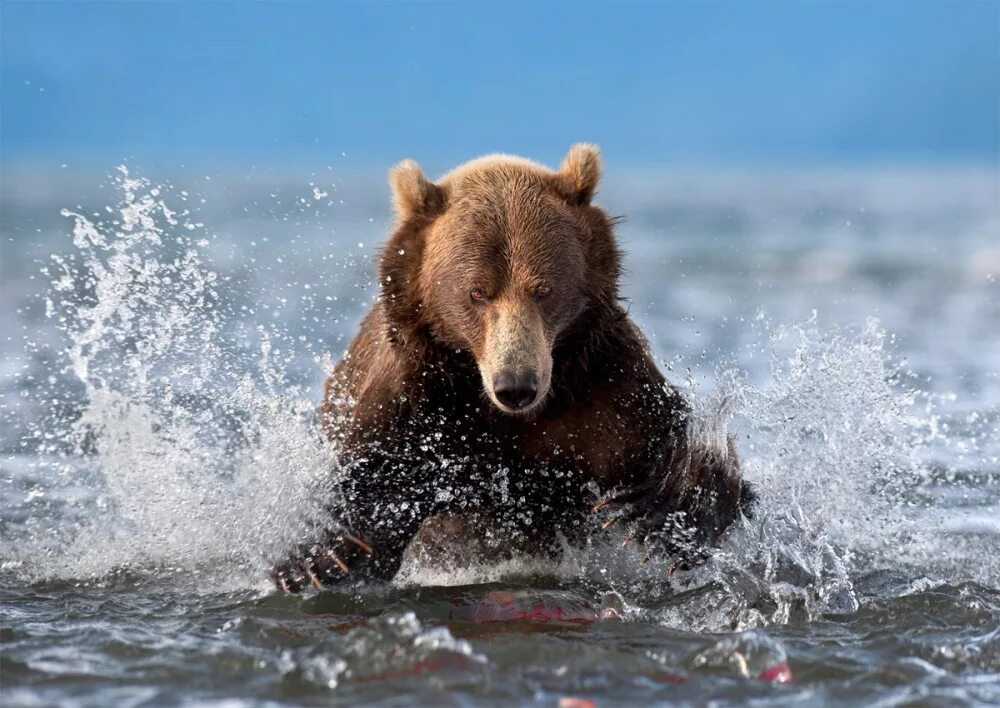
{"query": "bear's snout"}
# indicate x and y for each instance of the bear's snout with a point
(516, 390)
(515, 359)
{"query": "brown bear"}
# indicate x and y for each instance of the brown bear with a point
(498, 381)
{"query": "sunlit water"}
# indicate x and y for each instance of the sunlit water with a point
(164, 347)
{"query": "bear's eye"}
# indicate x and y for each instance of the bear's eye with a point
(478, 295)
(543, 290)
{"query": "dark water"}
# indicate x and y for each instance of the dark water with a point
(126, 644)
(160, 372)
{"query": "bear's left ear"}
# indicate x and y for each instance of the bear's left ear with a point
(582, 168)
(412, 193)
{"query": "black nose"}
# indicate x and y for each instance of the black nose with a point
(516, 391)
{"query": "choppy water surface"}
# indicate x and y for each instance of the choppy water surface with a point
(164, 348)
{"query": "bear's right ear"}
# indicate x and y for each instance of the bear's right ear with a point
(413, 194)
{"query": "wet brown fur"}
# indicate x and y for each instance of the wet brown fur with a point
(408, 395)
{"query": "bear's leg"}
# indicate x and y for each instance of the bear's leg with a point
(381, 506)
(686, 503)
(540, 510)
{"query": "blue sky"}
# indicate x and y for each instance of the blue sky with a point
(239, 83)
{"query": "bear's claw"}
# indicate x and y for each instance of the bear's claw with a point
(359, 543)
(651, 521)
(626, 497)
(314, 579)
(340, 564)
(320, 563)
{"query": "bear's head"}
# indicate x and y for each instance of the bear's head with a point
(502, 258)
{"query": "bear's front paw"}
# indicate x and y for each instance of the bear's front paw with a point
(326, 562)
(686, 505)
(655, 520)
(679, 523)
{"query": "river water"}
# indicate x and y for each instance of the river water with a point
(165, 342)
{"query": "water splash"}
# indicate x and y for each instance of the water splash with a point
(187, 451)
(194, 462)
(835, 444)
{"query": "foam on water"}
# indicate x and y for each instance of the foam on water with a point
(191, 454)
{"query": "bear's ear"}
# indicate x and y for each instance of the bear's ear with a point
(412, 193)
(582, 168)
